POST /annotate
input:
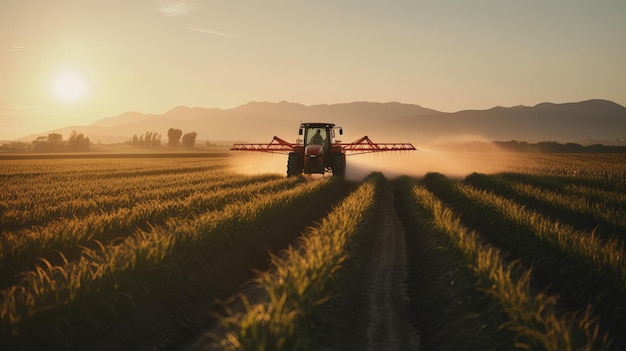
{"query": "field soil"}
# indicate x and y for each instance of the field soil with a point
(388, 323)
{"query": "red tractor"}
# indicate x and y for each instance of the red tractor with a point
(318, 151)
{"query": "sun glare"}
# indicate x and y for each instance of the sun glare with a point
(69, 86)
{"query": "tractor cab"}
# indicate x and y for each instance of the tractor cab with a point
(318, 137)
(317, 151)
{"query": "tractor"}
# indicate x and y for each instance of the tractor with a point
(318, 151)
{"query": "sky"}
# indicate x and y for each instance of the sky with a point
(73, 62)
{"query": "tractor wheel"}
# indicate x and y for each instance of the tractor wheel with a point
(339, 165)
(293, 165)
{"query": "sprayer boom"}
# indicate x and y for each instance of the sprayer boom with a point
(366, 145)
(360, 146)
(276, 146)
(319, 151)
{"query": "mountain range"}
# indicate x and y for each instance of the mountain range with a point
(591, 121)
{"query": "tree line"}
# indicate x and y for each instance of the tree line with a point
(77, 142)
(54, 143)
(175, 138)
(555, 147)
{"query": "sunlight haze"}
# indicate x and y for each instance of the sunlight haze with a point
(71, 62)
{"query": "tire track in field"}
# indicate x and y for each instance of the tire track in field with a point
(389, 327)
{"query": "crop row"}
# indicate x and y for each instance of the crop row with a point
(38, 197)
(529, 231)
(604, 213)
(43, 209)
(602, 168)
(498, 293)
(24, 195)
(114, 266)
(19, 249)
(585, 272)
(301, 280)
(45, 188)
(27, 171)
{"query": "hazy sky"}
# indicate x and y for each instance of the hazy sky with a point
(72, 62)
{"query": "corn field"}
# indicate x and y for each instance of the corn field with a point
(529, 259)
(532, 259)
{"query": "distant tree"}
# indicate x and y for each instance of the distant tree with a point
(15, 146)
(55, 138)
(51, 143)
(174, 136)
(189, 139)
(152, 139)
(78, 142)
(156, 140)
(149, 139)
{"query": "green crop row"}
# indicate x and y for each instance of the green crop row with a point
(41, 209)
(576, 265)
(599, 169)
(20, 194)
(579, 209)
(20, 249)
(604, 257)
(112, 267)
(511, 312)
(301, 280)
(34, 182)
(608, 193)
(30, 171)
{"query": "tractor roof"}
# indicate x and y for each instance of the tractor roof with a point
(317, 125)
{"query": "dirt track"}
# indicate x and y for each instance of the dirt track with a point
(389, 327)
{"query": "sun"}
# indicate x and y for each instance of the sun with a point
(69, 86)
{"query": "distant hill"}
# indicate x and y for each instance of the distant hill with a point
(584, 122)
(592, 120)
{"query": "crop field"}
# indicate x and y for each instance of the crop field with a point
(167, 253)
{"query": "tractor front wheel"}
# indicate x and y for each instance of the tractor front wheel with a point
(293, 165)
(339, 164)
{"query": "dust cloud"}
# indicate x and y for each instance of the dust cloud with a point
(456, 155)
(252, 163)
(455, 164)
(455, 161)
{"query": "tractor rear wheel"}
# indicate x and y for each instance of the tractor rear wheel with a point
(339, 165)
(293, 165)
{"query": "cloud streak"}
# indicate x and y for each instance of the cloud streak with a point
(211, 32)
(176, 9)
